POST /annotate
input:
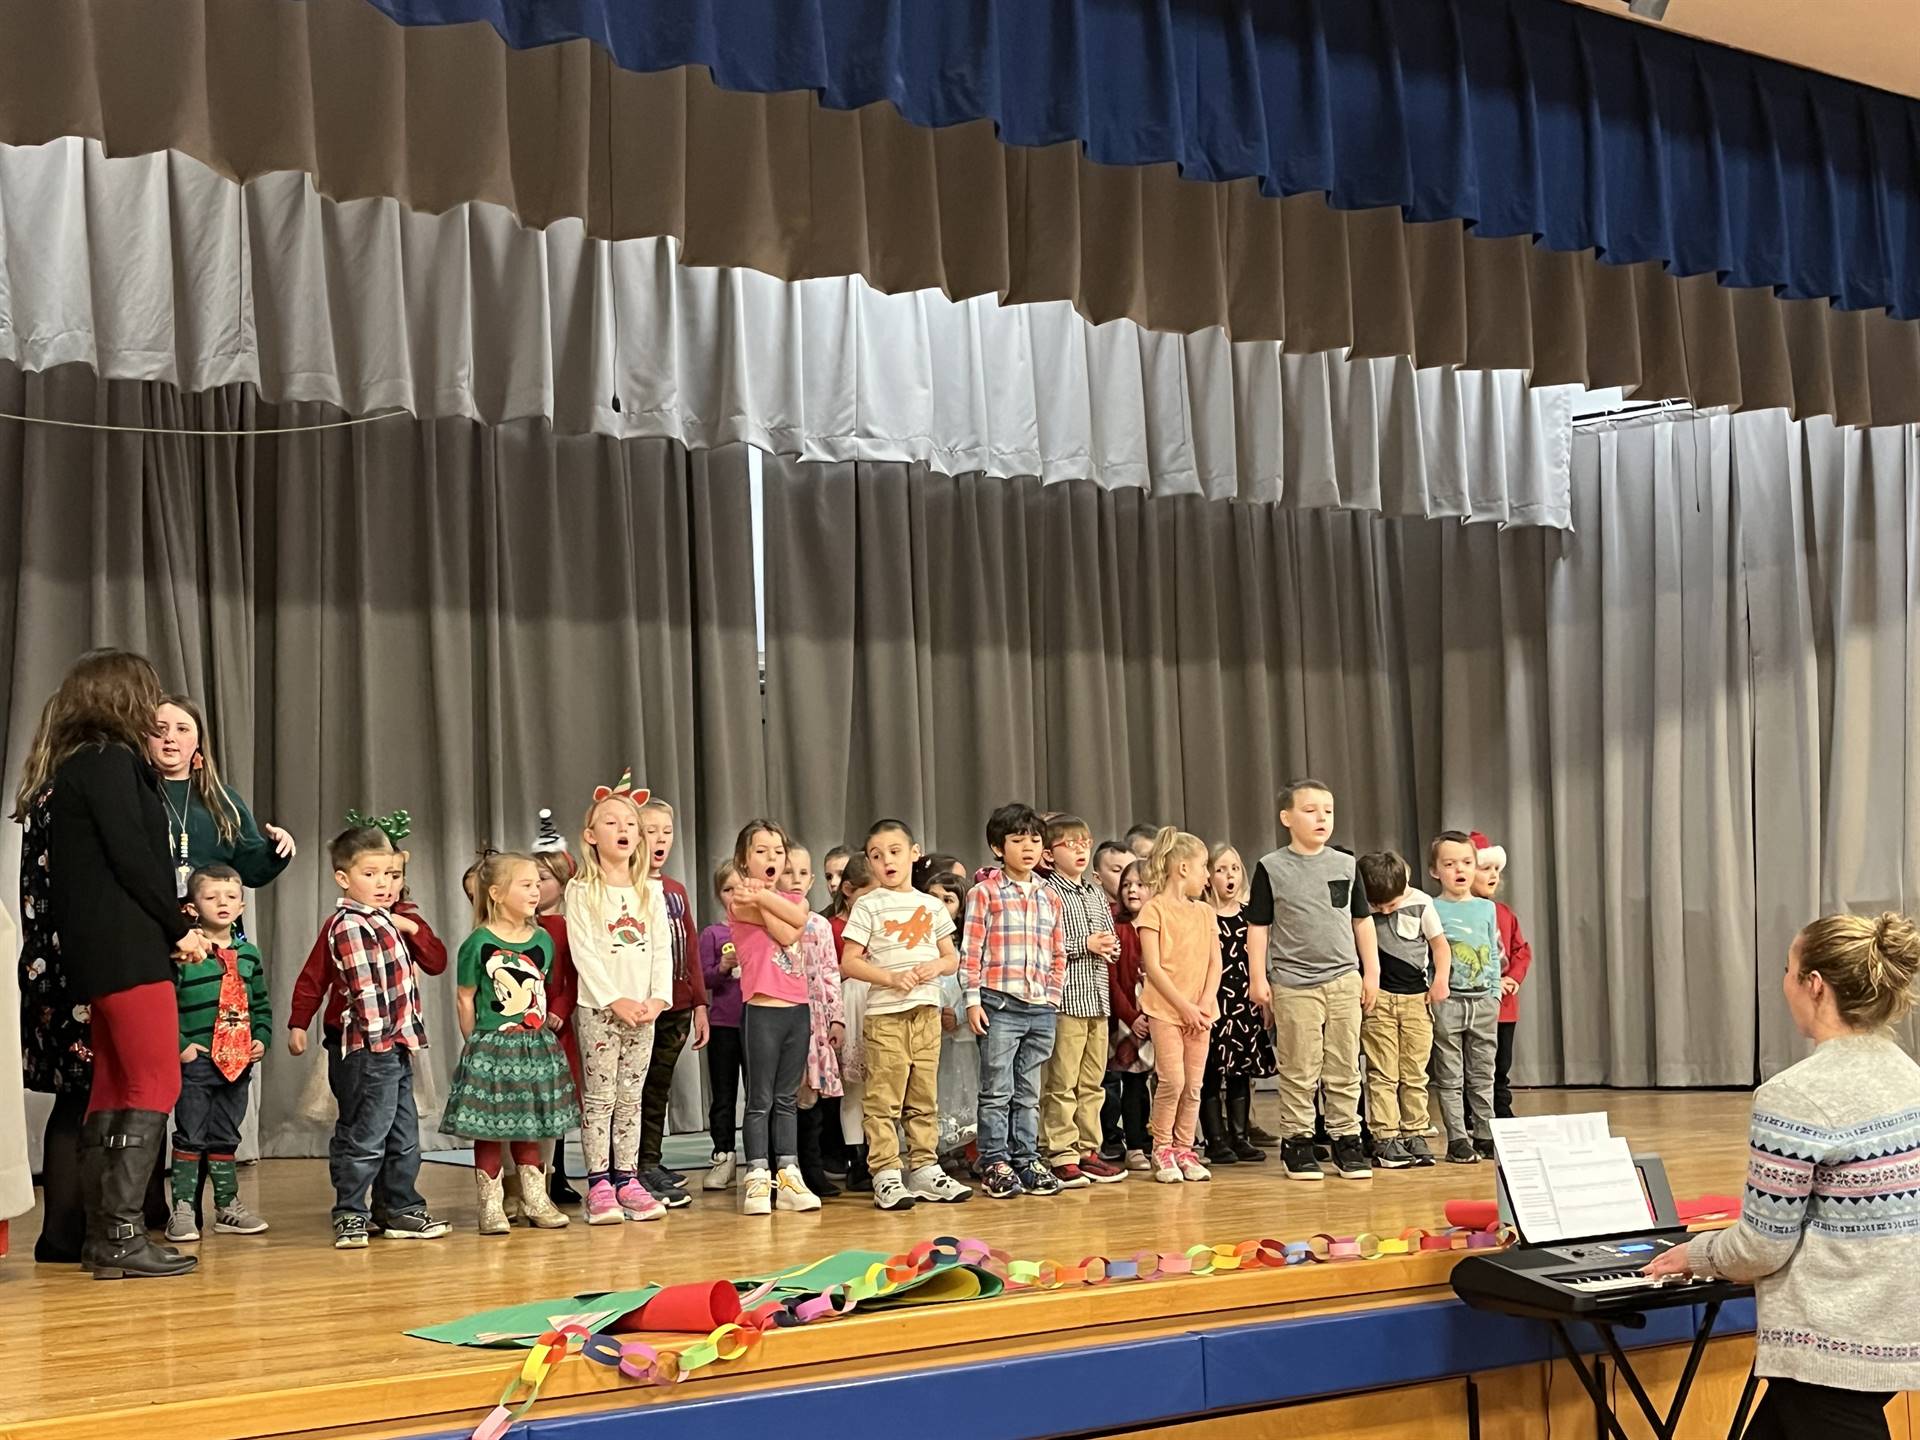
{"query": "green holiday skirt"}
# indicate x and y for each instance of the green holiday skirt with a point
(511, 1085)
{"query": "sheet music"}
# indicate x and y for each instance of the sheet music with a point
(1595, 1188)
(1564, 1177)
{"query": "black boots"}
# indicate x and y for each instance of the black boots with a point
(811, 1124)
(559, 1189)
(1213, 1127)
(63, 1208)
(1239, 1116)
(119, 1149)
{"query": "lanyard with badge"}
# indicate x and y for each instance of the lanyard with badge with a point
(183, 868)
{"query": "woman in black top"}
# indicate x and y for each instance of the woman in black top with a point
(98, 899)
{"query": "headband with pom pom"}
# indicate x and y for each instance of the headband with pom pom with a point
(548, 839)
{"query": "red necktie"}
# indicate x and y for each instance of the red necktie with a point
(232, 1035)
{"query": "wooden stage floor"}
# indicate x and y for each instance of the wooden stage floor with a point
(281, 1335)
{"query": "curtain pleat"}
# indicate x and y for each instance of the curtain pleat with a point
(779, 183)
(1691, 718)
(472, 624)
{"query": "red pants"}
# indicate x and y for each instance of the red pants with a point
(136, 1050)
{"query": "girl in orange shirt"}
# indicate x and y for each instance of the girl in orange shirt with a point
(1180, 956)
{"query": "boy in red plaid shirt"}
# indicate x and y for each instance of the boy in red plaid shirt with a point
(378, 1134)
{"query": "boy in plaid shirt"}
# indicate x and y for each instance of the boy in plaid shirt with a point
(378, 1133)
(1076, 1075)
(1013, 969)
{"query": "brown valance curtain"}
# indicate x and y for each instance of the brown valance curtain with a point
(438, 116)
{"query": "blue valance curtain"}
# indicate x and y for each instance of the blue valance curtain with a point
(1520, 117)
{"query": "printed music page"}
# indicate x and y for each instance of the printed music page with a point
(1519, 1143)
(1596, 1189)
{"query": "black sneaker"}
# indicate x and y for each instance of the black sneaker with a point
(1417, 1151)
(1298, 1158)
(413, 1225)
(1391, 1155)
(1323, 1150)
(1350, 1159)
(1484, 1148)
(1461, 1152)
(663, 1187)
(998, 1182)
(1037, 1179)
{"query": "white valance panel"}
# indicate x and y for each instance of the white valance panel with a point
(154, 267)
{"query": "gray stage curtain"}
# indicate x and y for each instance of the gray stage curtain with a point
(1600, 701)
(467, 622)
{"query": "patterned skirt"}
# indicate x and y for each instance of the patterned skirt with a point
(511, 1085)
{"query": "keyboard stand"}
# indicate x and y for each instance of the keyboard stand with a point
(1664, 1427)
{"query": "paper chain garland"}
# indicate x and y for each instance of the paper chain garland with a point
(646, 1364)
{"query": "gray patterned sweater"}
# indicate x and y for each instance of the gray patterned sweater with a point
(1829, 1232)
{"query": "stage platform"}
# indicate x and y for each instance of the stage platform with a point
(282, 1336)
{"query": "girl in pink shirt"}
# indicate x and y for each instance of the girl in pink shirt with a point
(775, 1027)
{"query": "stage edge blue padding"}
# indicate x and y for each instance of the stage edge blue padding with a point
(1099, 1387)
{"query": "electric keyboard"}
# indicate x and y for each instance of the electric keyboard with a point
(1588, 1279)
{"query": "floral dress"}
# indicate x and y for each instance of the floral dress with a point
(56, 1023)
(822, 966)
(1240, 1044)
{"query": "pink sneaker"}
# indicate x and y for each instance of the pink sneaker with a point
(1190, 1166)
(603, 1206)
(638, 1203)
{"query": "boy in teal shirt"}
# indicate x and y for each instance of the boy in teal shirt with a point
(225, 1025)
(1466, 1025)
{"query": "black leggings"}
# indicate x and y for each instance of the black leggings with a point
(726, 1059)
(1795, 1410)
(63, 1214)
(776, 1039)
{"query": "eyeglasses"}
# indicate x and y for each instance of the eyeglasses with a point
(1074, 843)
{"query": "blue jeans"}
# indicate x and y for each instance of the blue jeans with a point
(378, 1135)
(1013, 1058)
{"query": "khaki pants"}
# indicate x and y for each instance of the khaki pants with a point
(1398, 1039)
(903, 1069)
(1317, 1040)
(1075, 1089)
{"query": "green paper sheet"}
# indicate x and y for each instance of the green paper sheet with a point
(520, 1325)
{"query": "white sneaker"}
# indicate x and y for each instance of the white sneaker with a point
(889, 1193)
(932, 1183)
(1166, 1166)
(720, 1172)
(180, 1226)
(1190, 1166)
(790, 1191)
(756, 1193)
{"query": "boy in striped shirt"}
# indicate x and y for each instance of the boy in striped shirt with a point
(225, 1027)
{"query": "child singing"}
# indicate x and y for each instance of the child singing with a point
(512, 1088)
(1180, 956)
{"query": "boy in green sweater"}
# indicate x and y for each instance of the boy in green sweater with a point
(225, 1024)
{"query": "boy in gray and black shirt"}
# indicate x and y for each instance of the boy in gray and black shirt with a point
(1309, 917)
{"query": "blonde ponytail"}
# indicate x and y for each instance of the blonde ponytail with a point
(1170, 847)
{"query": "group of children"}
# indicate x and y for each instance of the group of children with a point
(1086, 1007)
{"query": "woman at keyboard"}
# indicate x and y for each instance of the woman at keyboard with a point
(1829, 1232)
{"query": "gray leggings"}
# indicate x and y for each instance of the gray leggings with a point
(775, 1038)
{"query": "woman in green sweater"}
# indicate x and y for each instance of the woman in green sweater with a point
(207, 824)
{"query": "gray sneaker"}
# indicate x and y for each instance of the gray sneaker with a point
(1391, 1155)
(413, 1225)
(180, 1226)
(350, 1232)
(237, 1219)
(932, 1183)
